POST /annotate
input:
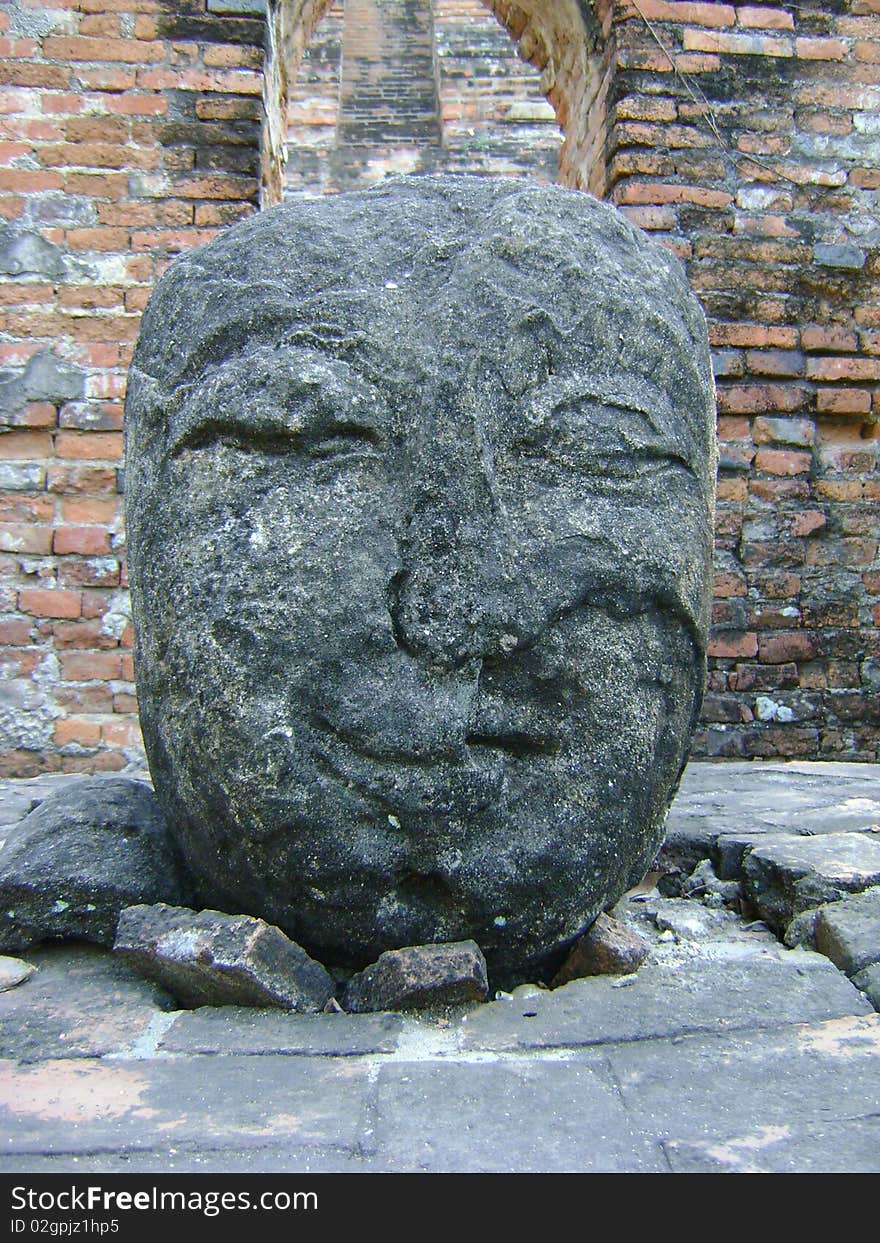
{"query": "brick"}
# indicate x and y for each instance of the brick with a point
(736, 44)
(820, 49)
(843, 401)
(658, 192)
(89, 572)
(42, 602)
(775, 362)
(843, 368)
(764, 19)
(758, 398)
(806, 522)
(756, 336)
(783, 462)
(682, 11)
(88, 540)
(91, 666)
(795, 645)
(824, 337)
(92, 479)
(122, 734)
(800, 432)
(25, 537)
(731, 646)
(90, 510)
(16, 631)
(100, 446)
(129, 51)
(25, 445)
(76, 730)
(97, 239)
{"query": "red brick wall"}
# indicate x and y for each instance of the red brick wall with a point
(744, 136)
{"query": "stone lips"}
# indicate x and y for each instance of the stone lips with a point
(419, 490)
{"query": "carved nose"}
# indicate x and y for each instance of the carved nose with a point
(441, 594)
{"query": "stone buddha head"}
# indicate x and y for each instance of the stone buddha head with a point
(419, 493)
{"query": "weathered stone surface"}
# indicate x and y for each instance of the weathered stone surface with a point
(705, 885)
(690, 920)
(14, 971)
(232, 1102)
(419, 493)
(736, 990)
(49, 378)
(608, 948)
(785, 876)
(230, 1029)
(848, 932)
(70, 866)
(206, 958)
(81, 1002)
(420, 976)
(868, 981)
(511, 1117)
(24, 252)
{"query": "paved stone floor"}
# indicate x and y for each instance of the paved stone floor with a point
(726, 1052)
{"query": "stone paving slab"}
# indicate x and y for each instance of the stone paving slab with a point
(102, 1105)
(699, 1088)
(733, 991)
(531, 1116)
(756, 798)
(849, 1147)
(232, 1029)
(80, 1002)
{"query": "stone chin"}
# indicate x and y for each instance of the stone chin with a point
(419, 510)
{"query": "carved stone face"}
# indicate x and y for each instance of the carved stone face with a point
(419, 491)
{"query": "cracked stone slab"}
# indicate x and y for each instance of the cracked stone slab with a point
(848, 932)
(515, 1115)
(710, 1087)
(850, 1147)
(81, 1002)
(231, 1029)
(785, 876)
(741, 988)
(209, 1103)
(771, 797)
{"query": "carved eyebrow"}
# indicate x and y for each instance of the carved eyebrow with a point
(282, 398)
(634, 394)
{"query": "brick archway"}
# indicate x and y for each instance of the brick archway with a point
(568, 41)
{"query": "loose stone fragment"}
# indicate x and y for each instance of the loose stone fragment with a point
(206, 958)
(420, 976)
(70, 866)
(787, 875)
(868, 981)
(802, 930)
(14, 971)
(419, 497)
(848, 932)
(705, 885)
(607, 948)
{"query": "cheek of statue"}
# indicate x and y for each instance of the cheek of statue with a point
(408, 670)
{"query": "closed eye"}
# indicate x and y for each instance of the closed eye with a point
(333, 441)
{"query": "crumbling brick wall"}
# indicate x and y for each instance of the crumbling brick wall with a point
(743, 136)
